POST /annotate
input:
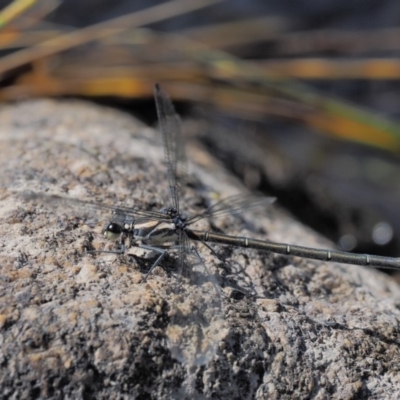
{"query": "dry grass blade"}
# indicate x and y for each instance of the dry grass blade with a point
(101, 30)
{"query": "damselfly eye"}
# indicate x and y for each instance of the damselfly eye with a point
(113, 231)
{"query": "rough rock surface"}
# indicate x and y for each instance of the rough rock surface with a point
(76, 325)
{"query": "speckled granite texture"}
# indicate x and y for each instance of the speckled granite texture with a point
(74, 325)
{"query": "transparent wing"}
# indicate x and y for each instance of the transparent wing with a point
(88, 206)
(196, 323)
(174, 150)
(233, 205)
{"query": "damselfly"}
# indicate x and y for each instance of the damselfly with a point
(169, 226)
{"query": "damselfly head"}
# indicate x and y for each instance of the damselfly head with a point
(171, 211)
(112, 231)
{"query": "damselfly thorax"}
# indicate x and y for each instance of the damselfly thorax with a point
(159, 233)
(156, 233)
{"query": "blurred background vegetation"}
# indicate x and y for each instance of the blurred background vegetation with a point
(301, 100)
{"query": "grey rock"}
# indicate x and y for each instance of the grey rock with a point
(75, 325)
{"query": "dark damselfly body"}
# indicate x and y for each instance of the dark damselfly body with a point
(196, 324)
